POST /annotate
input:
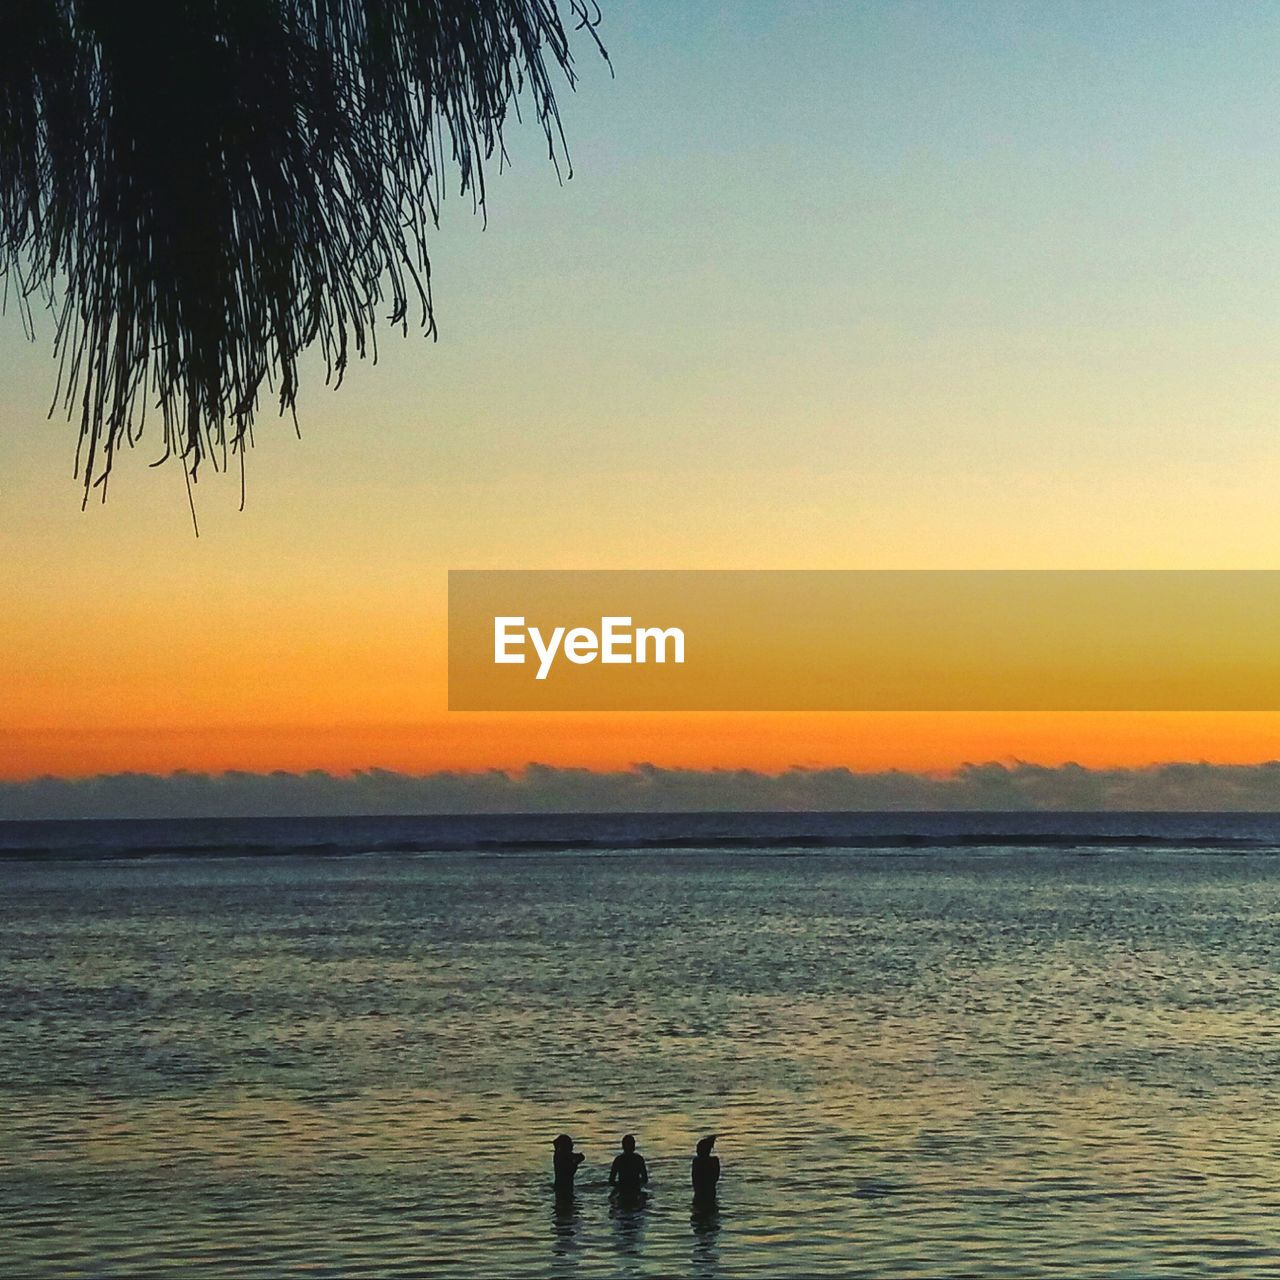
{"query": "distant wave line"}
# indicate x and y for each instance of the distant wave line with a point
(774, 843)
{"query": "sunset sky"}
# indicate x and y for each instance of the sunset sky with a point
(833, 286)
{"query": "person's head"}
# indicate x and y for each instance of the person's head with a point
(563, 1143)
(704, 1147)
(628, 1142)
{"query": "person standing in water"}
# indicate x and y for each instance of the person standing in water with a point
(629, 1172)
(705, 1170)
(565, 1162)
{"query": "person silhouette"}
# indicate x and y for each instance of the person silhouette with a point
(629, 1172)
(705, 1170)
(565, 1162)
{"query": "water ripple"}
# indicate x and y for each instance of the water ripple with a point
(1024, 1065)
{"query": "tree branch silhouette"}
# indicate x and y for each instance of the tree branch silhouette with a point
(199, 190)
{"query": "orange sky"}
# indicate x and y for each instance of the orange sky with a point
(959, 298)
(233, 674)
(759, 741)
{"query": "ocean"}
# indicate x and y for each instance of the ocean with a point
(932, 1045)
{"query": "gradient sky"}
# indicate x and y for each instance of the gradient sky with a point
(834, 285)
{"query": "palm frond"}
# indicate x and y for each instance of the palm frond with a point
(202, 189)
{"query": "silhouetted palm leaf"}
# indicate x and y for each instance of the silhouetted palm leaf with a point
(202, 188)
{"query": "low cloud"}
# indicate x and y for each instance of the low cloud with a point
(645, 788)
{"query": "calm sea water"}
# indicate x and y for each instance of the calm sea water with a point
(933, 1046)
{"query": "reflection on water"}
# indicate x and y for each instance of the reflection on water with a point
(704, 1222)
(627, 1210)
(926, 1064)
(566, 1224)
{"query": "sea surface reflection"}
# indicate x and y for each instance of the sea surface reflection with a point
(926, 1063)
